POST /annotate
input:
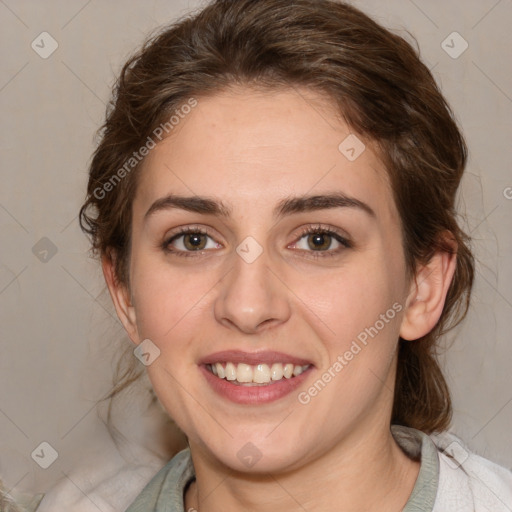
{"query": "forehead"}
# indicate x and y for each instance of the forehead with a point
(253, 147)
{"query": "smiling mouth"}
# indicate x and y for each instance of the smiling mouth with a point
(242, 374)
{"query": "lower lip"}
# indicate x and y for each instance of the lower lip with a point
(254, 395)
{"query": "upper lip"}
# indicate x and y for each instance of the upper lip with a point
(265, 357)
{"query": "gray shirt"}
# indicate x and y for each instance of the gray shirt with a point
(165, 491)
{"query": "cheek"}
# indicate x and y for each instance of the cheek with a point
(169, 312)
(166, 298)
(357, 316)
(348, 300)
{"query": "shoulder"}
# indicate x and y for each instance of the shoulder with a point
(468, 481)
(165, 489)
(93, 490)
(106, 482)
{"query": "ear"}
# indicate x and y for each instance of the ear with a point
(121, 297)
(428, 292)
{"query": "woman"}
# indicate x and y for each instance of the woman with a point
(273, 204)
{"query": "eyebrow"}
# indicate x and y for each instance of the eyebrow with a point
(287, 206)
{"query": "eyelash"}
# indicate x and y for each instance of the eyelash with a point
(319, 229)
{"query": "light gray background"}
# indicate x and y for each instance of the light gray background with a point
(57, 324)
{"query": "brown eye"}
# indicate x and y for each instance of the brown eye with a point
(189, 241)
(321, 241)
(194, 241)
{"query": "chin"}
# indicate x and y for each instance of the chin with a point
(257, 454)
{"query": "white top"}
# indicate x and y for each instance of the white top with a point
(451, 479)
(468, 482)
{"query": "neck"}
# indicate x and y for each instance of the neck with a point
(369, 473)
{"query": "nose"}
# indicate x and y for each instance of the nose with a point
(252, 298)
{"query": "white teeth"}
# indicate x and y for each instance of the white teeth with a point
(262, 374)
(288, 371)
(276, 371)
(244, 373)
(297, 370)
(230, 371)
(259, 374)
(219, 370)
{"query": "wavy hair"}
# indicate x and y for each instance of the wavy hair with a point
(380, 86)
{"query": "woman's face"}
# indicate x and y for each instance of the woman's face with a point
(258, 285)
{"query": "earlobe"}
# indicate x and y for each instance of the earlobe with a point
(120, 297)
(428, 295)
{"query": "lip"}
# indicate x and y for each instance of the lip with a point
(254, 395)
(264, 357)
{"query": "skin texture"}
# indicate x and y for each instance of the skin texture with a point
(250, 149)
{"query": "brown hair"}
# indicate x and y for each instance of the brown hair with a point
(381, 88)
